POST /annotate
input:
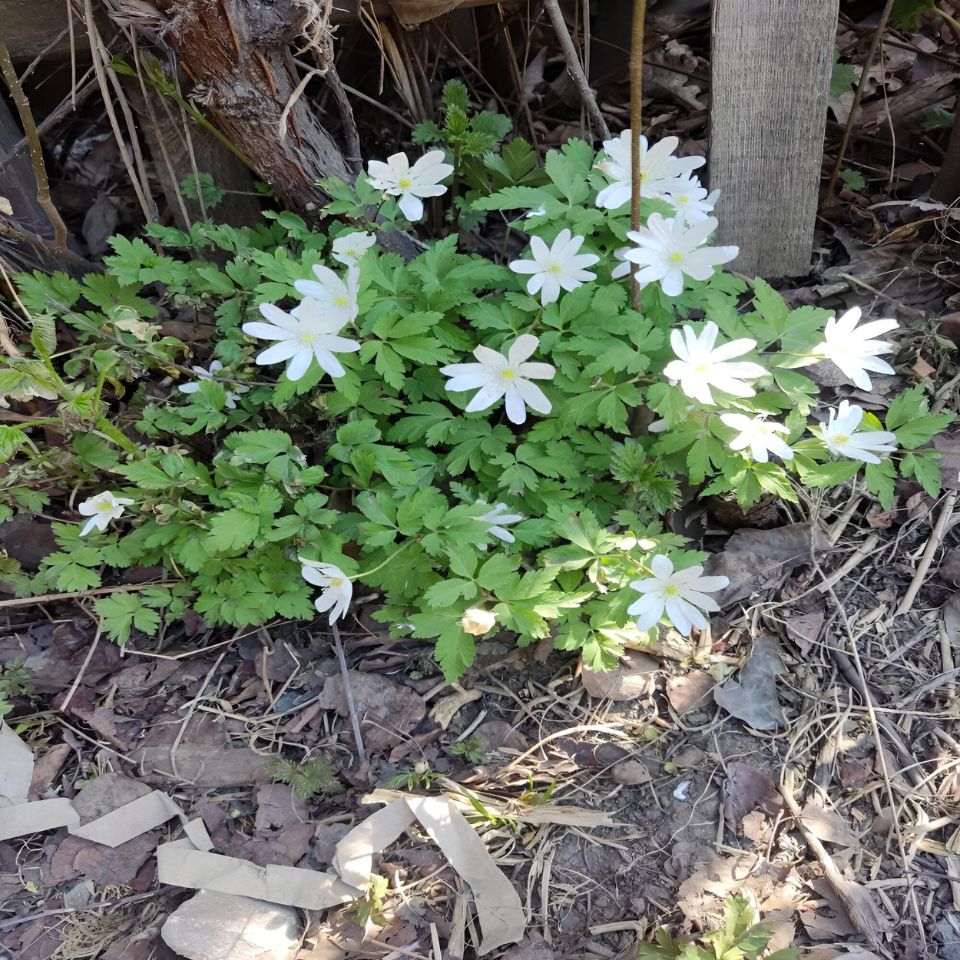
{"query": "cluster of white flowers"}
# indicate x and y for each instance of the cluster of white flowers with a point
(702, 366)
(667, 250)
(311, 331)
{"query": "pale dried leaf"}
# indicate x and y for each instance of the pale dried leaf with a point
(633, 678)
(5, 207)
(446, 709)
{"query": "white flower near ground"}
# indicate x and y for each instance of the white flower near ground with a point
(507, 376)
(540, 211)
(101, 509)
(302, 335)
(841, 438)
(477, 622)
(336, 298)
(203, 373)
(668, 250)
(701, 364)
(557, 267)
(680, 594)
(397, 178)
(853, 349)
(760, 435)
(335, 584)
(498, 519)
(348, 248)
(688, 196)
(658, 169)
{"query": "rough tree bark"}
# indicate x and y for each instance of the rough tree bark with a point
(238, 54)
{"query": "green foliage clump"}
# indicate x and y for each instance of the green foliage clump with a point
(380, 472)
(307, 780)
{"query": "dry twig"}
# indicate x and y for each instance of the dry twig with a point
(348, 694)
(575, 68)
(923, 567)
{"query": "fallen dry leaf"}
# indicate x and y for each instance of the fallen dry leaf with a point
(692, 691)
(445, 709)
(753, 698)
(221, 926)
(5, 207)
(949, 445)
(387, 711)
(496, 735)
(754, 560)
(747, 789)
(631, 773)
(827, 825)
(804, 630)
(633, 678)
(949, 569)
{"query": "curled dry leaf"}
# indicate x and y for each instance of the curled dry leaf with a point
(754, 560)
(747, 789)
(692, 691)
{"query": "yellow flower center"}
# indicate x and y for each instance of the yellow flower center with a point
(336, 582)
(404, 183)
(841, 438)
(676, 257)
(507, 375)
(683, 199)
(340, 301)
(554, 268)
(672, 591)
(305, 337)
(644, 176)
(701, 367)
(104, 506)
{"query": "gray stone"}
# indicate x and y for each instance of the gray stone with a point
(222, 926)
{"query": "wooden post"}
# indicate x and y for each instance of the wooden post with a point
(770, 66)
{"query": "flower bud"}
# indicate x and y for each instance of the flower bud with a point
(478, 622)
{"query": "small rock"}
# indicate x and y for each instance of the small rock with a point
(221, 926)
(631, 773)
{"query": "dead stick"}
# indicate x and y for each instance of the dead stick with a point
(856, 899)
(36, 150)
(636, 122)
(857, 97)
(97, 592)
(83, 668)
(348, 694)
(575, 68)
(936, 538)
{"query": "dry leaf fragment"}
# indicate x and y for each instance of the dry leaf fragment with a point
(692, 691)
(446, 709)
(753, 698)
(753, 559)
(219, 926)
(804, 630)
(6, 207)
(747, 789)
(827, 825)
(633, 678)
(16, 767)
(631, 773)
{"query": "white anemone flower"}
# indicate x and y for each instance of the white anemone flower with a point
(101, 509)
(397, 178)
(841, 438)
(853, 348)
(336, 586)
(336, 298)
(681, 594)
(760, 435)
(203, 373)
(659, 168)
(668, 250)
(498, 375)
(498, 519)
(701, 364)
(688, 196)
(477, 621)
(302, 335)
(348, 248)
(557, 267)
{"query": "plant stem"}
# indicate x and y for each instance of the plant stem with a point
(636, 121)
(857, 97)
(575, 68)
(36, 151)
(380, 566)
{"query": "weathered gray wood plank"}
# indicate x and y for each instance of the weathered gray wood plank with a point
(770, 66)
